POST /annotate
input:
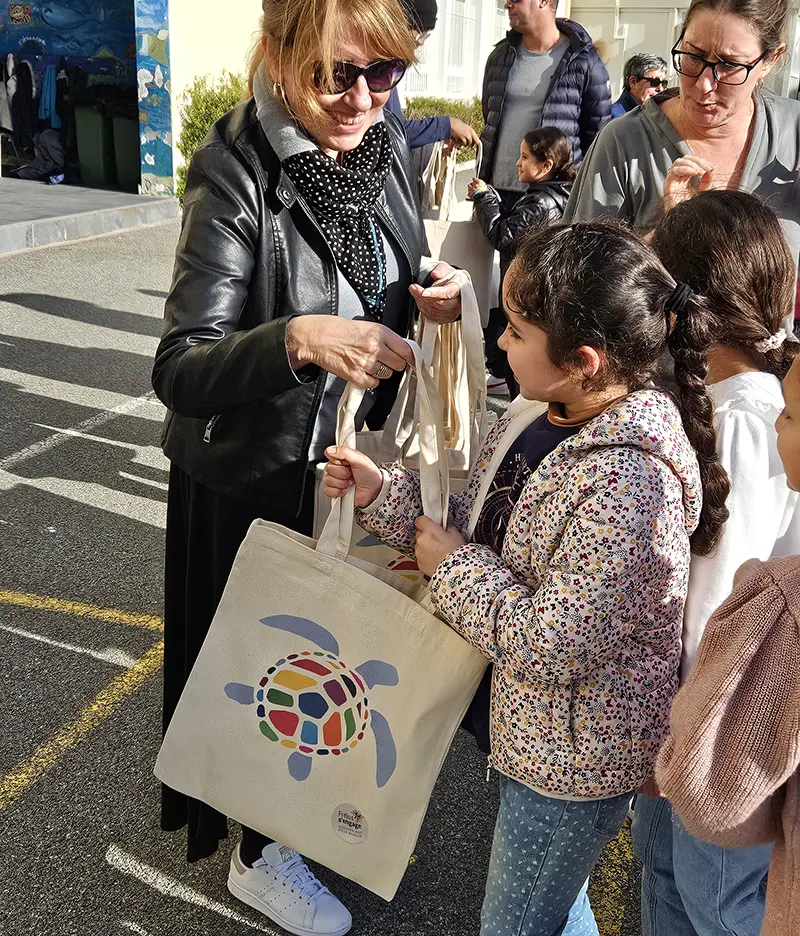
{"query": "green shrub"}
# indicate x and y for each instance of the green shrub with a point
(468, 111)
(202, 104)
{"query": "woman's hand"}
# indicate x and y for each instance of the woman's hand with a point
(434, 543)
(347, 467)
(439, 303)
(353, 351)
(476, 185)
(686, 177)
(462, 134)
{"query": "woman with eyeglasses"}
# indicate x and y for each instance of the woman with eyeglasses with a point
(719, 130)
(298, 268)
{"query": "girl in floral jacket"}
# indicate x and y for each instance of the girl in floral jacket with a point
(574, 577)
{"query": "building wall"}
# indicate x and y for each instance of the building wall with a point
(207, 39)
(453, 58)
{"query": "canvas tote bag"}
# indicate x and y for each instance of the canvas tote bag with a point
(453, 232)
(454, 354)
(326, 695)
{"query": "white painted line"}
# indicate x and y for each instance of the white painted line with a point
(61, 436)
(94, 398)
(133, 506)
(154, 484)
(109, 655)
(132, 927)
(169, 887)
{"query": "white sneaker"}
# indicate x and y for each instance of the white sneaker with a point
(496, 386)
(281, 886)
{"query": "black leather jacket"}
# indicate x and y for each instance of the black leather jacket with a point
(250, 257)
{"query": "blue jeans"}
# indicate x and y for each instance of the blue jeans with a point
(543, 852)
(693, 888)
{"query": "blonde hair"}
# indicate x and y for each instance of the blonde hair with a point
(308, 35)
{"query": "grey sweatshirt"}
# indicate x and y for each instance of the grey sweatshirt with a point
(623, 174)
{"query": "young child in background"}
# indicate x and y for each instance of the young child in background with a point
(730, 249)
(576, 576)
(545, 163)
(731, 766)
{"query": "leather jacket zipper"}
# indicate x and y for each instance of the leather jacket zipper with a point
(210, 428)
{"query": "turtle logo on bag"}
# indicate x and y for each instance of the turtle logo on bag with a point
(314, 705)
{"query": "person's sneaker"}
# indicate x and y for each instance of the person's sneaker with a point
(496, 386)
(281, 886)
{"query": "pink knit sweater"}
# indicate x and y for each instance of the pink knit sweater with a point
(730, 766)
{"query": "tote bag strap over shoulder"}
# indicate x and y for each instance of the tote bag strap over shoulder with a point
(522, 413)
(337, 534)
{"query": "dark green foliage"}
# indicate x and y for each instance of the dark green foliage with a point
(468, 111)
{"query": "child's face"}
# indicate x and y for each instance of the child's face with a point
(530, 168)
(788, 427)
(537, 376)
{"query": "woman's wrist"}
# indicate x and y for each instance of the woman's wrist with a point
(296, 345)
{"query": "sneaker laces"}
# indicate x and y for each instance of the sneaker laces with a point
(299, 875)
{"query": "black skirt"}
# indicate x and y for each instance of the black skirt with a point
(204, 533)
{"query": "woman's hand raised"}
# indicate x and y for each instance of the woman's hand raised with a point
(346, 467)
(363, 353)
(687, 177)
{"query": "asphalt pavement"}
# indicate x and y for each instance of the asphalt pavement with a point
(82, 509)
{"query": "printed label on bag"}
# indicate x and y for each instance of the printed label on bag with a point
(349, 824)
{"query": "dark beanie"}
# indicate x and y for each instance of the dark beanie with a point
(421, 14)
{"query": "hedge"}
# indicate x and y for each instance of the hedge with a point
(468, 111)
(202, 105)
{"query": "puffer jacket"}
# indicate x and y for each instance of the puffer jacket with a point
(578, 100)
(582, 613)
(541, 205)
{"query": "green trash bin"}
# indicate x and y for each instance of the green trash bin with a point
(95, 136)
(126, 149)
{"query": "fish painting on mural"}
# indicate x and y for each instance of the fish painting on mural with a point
(70, 14)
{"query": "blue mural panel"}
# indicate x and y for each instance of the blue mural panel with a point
(97, 35)
(155, 105)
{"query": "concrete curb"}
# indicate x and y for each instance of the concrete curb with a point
(42, 232)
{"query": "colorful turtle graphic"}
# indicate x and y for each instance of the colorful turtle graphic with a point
(315, 705)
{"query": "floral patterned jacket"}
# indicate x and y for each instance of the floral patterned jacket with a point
(582, 612)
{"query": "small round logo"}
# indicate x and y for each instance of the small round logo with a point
(350, 824)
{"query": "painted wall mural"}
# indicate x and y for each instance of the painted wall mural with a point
(155, 107)
(97, 34)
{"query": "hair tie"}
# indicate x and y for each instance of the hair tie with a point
(708, 459)
(772, 343)
(677, 302)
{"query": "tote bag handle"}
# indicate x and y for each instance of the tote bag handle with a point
(337, 534)
(472, 336)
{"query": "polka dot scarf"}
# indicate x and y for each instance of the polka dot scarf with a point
(342, 195)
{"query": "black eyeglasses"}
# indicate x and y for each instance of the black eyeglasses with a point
(381, 76)
(653, 82)
(729, 73)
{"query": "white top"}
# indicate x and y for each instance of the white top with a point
(764, 521)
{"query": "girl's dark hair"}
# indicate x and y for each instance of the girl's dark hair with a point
(550, 143)
(730, 248)
(767, 18)
(597, 283)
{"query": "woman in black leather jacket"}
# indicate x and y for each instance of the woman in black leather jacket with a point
(298, 268)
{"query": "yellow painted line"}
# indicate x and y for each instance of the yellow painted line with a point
(76, 608)
(610, 889)
(33, 768)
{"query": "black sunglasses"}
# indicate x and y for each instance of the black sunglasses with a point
(381, 76)
(729, 73)
(654, 82)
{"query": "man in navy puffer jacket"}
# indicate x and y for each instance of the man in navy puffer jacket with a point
(545, 73)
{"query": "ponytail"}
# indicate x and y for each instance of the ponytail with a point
(688, 344)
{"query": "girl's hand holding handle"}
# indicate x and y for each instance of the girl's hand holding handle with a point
(346, 467)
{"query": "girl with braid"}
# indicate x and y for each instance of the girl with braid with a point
(731, 249)
(567, 561)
